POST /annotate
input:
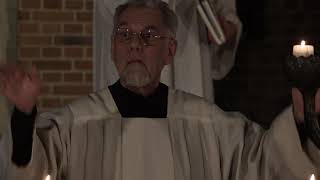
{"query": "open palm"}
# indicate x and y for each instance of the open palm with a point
(21, 87)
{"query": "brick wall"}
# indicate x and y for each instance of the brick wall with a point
(56, 37)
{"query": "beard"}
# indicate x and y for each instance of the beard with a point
(135, 75)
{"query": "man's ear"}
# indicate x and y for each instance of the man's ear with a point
(172, 48)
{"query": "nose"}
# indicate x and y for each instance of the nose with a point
(136, 43)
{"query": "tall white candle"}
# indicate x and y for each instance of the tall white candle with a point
(312, 177)
(303, 50)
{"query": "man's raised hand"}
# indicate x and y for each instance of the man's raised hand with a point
(20, 86)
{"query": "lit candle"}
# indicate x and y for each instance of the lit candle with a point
(312, 177)
(48, 177)
(303, 50)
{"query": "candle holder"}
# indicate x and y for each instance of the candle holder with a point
(304, 73)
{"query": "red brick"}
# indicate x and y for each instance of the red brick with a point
(89, 5)
(29, 28)
(30, 4)
(73, 28)
(23, 15)
(88, 77)
(73, 52)
(51, 77)
(84, 16)
(83, 65)
(53, 65)
(51, 28)
(73, 90)
(34, 40)
(73, 40)
(89, 52)
(52, 4)
(31, 52)
(51, 52)
(73, 77)
(73, 4)
(45, 16)
(88, 28)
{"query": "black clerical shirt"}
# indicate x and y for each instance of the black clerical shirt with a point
(128, 103)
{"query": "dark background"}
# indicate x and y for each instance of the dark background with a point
(257, 85)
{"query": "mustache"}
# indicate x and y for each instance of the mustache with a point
(134, 57)
(134, 61)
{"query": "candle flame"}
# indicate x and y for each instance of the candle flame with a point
(48, 177)
(312, 177)
(303, 43)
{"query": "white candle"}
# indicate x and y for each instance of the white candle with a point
(312, 177)
(48, 177)
(303, 50)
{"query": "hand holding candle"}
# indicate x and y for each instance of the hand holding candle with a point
(303, 50)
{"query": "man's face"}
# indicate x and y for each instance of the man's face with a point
(140, 62)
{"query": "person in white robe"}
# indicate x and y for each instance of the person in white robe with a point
(195, 140)
(207, 61)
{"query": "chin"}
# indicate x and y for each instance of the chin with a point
(135, 75)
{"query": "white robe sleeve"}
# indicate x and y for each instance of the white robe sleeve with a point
(232, 147)
(247, 151)
(64, 130)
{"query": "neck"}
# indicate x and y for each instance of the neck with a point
(144, 90)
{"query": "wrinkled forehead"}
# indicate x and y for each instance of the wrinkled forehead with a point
(139, 18)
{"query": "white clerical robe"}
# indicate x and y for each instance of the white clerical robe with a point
(89, 139)
(194, 53)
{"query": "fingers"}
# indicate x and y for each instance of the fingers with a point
(317, 100)
(33, 78)
(229, 29)
(297, 101)
(298, 106)
(13, 73)
(209, 35)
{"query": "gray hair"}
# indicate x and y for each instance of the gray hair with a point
(169, 18)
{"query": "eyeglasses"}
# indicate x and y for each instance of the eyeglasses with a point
(148, 36)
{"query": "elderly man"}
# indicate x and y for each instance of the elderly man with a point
(196, 50)
(138, 129)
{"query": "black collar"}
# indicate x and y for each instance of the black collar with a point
(131, 104)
